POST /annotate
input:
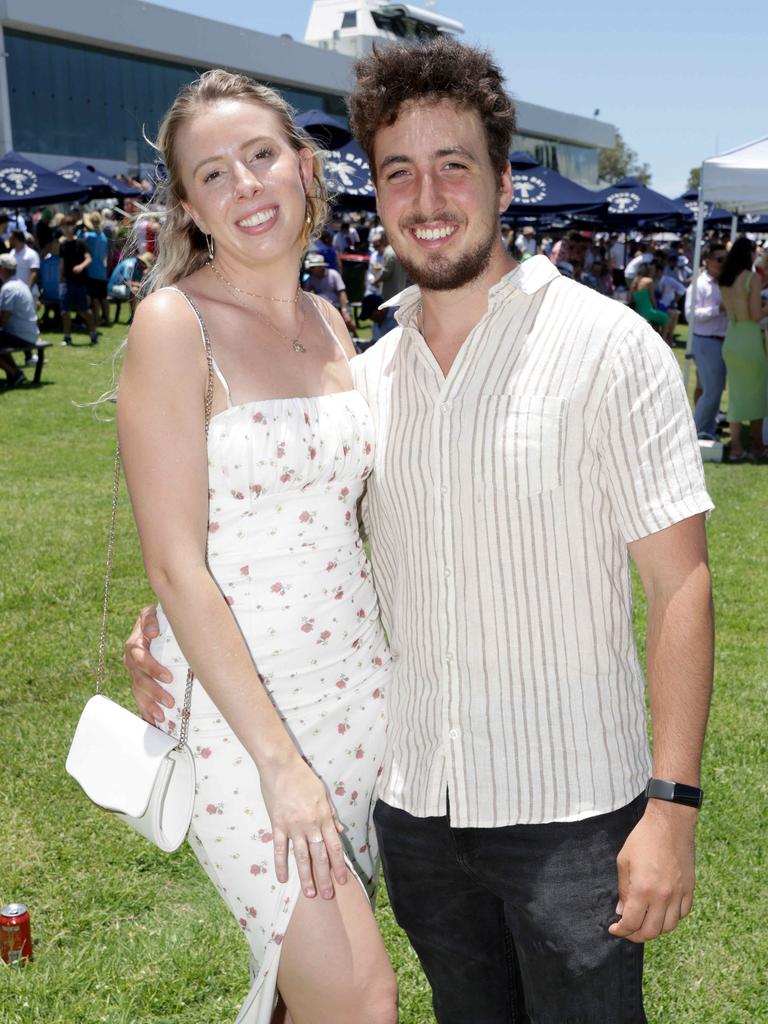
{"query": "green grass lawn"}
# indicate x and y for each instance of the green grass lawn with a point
(127, 935)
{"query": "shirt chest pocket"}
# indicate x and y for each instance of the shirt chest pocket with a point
(515, 444)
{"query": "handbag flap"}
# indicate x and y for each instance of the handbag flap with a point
(115, 756)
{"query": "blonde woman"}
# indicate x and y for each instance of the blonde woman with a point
(278, 620)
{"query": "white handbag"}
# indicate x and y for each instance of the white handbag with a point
(135, 770)
(142, 774)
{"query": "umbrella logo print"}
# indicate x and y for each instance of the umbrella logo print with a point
(528, 189)
(70, 173)
(351, 172)
(693, 206)
(623, 202)
(18, 181)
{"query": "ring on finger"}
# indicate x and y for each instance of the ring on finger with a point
(320, 840)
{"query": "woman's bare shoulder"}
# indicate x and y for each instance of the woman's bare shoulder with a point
(164, 328)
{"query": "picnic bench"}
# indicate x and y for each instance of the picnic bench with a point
(39, 347)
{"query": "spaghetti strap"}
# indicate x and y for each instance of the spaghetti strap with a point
(319, 305)
(204, 336)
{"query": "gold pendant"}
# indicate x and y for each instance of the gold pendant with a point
(298, 347)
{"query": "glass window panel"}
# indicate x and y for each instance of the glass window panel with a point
(78, 100)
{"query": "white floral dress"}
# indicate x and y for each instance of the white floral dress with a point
(285, 476)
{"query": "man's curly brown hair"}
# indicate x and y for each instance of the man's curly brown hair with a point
(440, 69)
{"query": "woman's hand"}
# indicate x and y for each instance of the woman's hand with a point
(301, 812)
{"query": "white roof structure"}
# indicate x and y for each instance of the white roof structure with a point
(353, 26)
(738, 180)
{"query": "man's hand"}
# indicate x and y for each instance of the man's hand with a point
(656, 872)
(144, 670)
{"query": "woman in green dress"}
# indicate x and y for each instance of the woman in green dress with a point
(744, 348)
(642, 296)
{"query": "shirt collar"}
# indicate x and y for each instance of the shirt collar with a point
(528, 277)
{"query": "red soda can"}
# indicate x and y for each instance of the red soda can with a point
(15, 933)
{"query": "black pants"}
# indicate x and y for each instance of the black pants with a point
(511, 924)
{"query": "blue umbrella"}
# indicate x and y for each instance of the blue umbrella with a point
(689, 201)
(630, 203)
(98, 185)
(539, 190)
(348, 175)
(327, 129)
(25, 183)
(757, 222)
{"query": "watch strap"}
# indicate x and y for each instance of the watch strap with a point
(674, 792)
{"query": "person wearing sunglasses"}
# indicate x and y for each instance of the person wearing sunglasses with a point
(707, 347)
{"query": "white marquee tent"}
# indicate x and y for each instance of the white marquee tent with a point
(737, 181)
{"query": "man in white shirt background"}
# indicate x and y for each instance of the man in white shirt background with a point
(18, 319)
(708, 336)
(27, 260)
(516, 415)
(638, 260)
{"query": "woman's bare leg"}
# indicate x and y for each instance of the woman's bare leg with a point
(333, 965)
(737, 449)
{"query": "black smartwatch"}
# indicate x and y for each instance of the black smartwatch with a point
(675, 792)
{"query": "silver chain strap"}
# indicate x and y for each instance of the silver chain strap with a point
(101, 666)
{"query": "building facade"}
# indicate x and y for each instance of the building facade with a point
(84, 80)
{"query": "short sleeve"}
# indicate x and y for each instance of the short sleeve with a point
(647, 444)
(6, 299)
(34, 260)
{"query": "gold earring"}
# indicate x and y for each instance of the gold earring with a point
(209, 244)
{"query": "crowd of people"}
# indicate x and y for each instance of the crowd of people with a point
(75, 263)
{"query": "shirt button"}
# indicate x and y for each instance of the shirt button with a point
(447, 571)
(453, 734)
(444, 489)
(449, 656)
(444, 408)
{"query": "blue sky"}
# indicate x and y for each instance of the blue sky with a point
(681, 80)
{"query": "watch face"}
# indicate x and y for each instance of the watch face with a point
(675, 792)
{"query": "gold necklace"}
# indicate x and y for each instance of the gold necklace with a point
(293, 342)
(251, 295)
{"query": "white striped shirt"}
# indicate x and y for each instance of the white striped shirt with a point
(499, 511)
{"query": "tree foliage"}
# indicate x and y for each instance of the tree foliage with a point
(620, 161)
(694, 178)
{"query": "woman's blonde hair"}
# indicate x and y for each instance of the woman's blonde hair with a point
(181, 246)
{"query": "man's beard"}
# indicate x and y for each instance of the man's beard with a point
(440, 273)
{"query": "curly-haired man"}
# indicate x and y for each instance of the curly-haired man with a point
(531, 435)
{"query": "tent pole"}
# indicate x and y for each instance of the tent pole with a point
(694, 283)
(734, 226)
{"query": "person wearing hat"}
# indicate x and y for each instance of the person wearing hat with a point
(97, 244)
(126, 277)
(328, 284)
(18, 319)
(73, 294)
